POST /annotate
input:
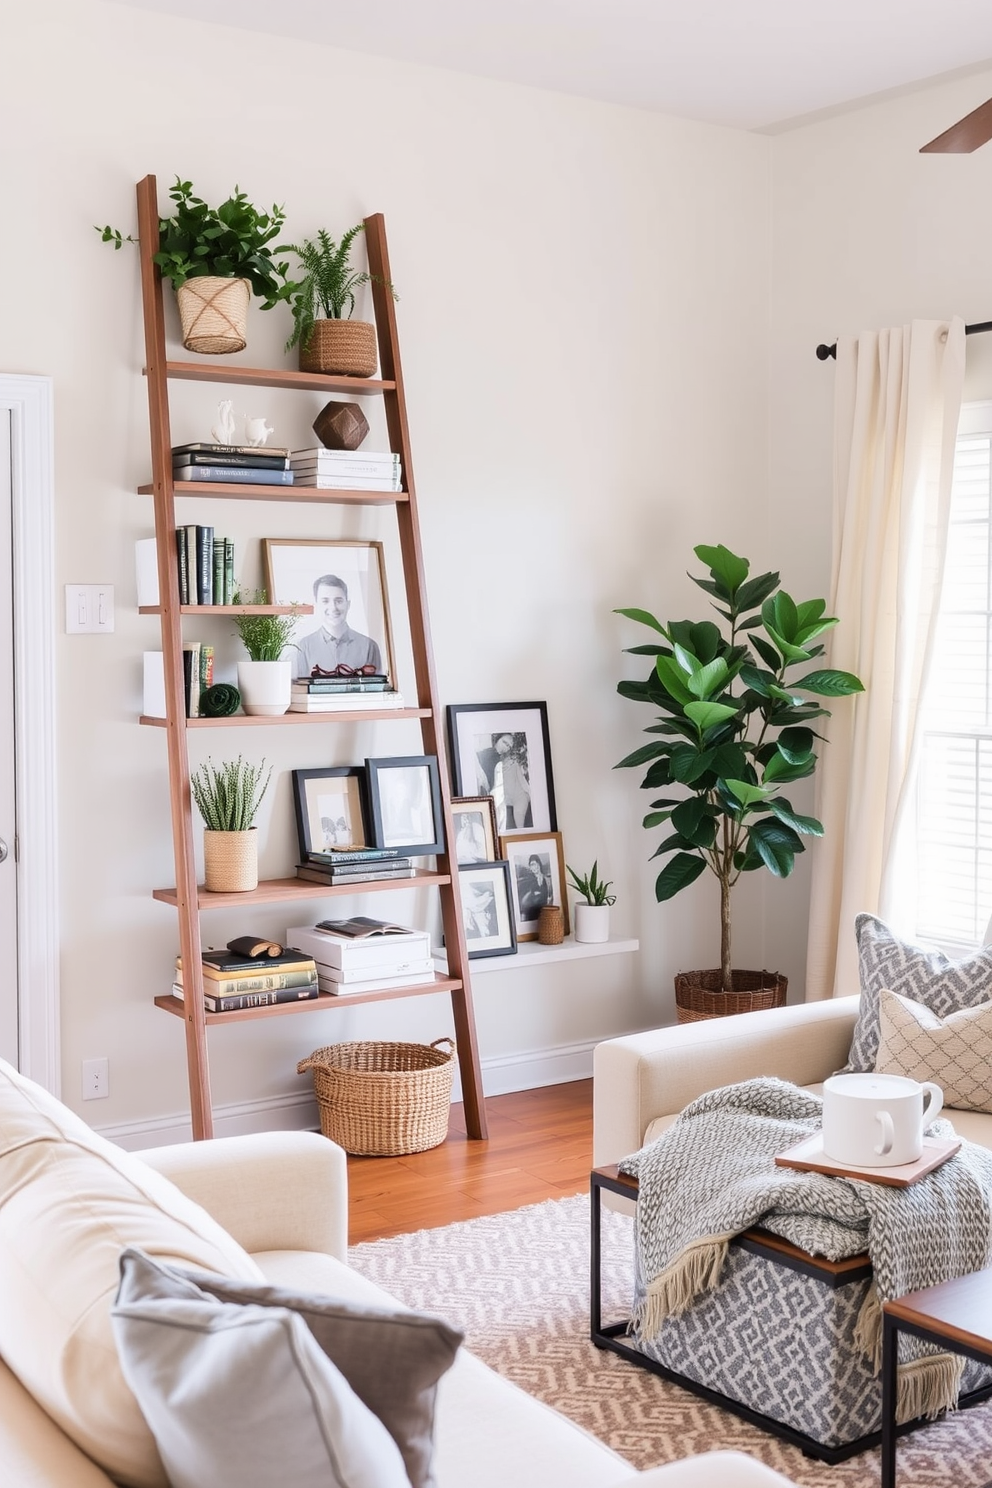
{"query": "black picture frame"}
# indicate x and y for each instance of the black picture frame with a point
(404, 801)
(310, 788)
(487, 910)
(474, 732)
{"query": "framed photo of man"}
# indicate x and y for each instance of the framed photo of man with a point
(537, 877)
(346, 583)
(503, 750)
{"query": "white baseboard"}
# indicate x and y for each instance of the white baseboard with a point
(526, 1070)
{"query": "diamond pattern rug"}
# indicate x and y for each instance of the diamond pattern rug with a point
(518, 1284)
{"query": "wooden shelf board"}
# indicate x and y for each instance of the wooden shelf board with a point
(205, 490)
(346, 715)
(219, 609)
(270, 377)
(315, 1004)
(275, 890)
(532, 953)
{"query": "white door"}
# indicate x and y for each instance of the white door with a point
(8, 824)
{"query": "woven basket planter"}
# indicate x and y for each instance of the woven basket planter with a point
(346, 348)
(214, 315)
(698, 995)
(381, 1099)
(230, 861)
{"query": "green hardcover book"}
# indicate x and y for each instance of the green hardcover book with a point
(228, 570)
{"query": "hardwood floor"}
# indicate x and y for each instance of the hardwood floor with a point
(539, 1147)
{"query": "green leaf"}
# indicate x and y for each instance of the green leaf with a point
(648, 649)
(701, 638)
(642, 755)
(756, 591)
(779, 613)
(686, 763)
(807, 825)
(789, 651)
(828, 683)
(795, 744)
(677, 875)
(643, 617)
(709, 679)
(672, 678)
(708, 715)
(776, 846)
(778, 768)
(725, 566)
(768, 655)
(730, 760)
(747, 794)
(656, 819)
(695, 820)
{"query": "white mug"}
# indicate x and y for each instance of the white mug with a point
(877, 1121)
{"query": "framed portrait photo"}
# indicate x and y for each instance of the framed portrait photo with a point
(537, 877)
(331, 809)
(476, 838)
(503, 750)
(485, 895)
(404, 796)
(346, 583)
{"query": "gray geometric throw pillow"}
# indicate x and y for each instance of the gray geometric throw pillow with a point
(921, 973)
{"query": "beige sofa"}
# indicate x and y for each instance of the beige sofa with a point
(283, 1198)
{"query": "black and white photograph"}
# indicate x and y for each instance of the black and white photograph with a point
(330, 809)
(404, 797)
(485, 894)
(475, 835)
(537, 877)
(502, 750)
(346, 584)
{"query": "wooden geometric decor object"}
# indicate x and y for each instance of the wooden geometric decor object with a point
(341, 426)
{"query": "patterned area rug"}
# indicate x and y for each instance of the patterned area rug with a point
(518, 1284)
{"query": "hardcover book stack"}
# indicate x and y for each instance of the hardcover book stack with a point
(234, 464)
(347, 470)
(365, 955)
(206, 566)
(338, 694)
(355, 865)
(232, 981)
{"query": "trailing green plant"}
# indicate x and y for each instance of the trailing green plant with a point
(327, 289)
(265, 637)
(230, 241)
(593, 889)
(733, 731)
(228, 796)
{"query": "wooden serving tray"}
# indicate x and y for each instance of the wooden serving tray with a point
(808, 1157)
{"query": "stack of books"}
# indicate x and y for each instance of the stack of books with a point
(237, 464)
(198, 674)
(347, 470)
(365, 955)
(232, 982)
(355, 865)
(333, 694)
(206, 566)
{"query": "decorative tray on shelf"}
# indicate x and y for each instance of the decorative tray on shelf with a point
(808, 1157)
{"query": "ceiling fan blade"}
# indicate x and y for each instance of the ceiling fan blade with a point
(968, 134)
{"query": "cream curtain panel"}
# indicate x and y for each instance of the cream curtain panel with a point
(896, 406)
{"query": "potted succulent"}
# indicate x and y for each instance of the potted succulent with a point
(323, 302)
(228, 797)
(215, 258)
(732, 731)
(592, 913)
(264, 680)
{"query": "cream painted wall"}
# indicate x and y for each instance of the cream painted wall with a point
(583, 320)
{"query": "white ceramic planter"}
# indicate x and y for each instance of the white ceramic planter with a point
(265, 686)
(592, 923)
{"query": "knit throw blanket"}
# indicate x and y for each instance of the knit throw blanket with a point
(713, 1174)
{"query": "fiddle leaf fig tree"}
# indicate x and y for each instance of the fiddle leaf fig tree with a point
(734, 729)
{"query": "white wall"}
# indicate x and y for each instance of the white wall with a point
(583, 320)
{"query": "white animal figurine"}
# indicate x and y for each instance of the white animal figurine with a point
(257, 431)
(223, 429)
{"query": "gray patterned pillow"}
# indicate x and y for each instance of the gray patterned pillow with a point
(922, 974)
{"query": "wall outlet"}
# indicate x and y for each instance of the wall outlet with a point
(96, 1079)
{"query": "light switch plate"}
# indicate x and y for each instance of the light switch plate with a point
(89, 609)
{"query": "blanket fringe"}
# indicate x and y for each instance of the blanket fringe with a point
(927, 1386)
(695, 1271)
(868, 1329)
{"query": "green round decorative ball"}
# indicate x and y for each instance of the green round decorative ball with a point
(220, 701)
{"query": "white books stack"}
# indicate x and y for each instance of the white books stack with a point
(301, 700)
(374, 963)
(346, 470)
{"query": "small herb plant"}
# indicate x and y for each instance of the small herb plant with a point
(230, 241)
(265, 637)
(593, 889)
(327, 289)
(228, 796)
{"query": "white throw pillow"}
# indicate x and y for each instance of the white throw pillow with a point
(954, 1052)
(69, 1203)
(242, 1396)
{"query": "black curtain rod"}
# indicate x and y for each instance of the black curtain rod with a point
(823, 351)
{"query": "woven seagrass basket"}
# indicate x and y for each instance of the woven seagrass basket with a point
(230, 861)
(214, 314)
(346, 348)
(380, 1099)
(698, 995)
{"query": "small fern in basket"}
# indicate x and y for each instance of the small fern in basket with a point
(228, 796)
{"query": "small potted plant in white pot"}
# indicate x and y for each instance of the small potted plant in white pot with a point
(228, 797)
(323, 302)
(592, 911)
(264, 680)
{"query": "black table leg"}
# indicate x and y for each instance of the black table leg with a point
(890, 1360)
(595, 1257)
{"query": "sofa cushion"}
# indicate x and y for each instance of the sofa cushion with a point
(955, 1052)
(242, 1394)
(69, 1203)
(923, 974)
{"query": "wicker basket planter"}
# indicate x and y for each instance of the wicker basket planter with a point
(698, 995)
(346, 348)
(380, 1099)
(230, 861)
(214, 314)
